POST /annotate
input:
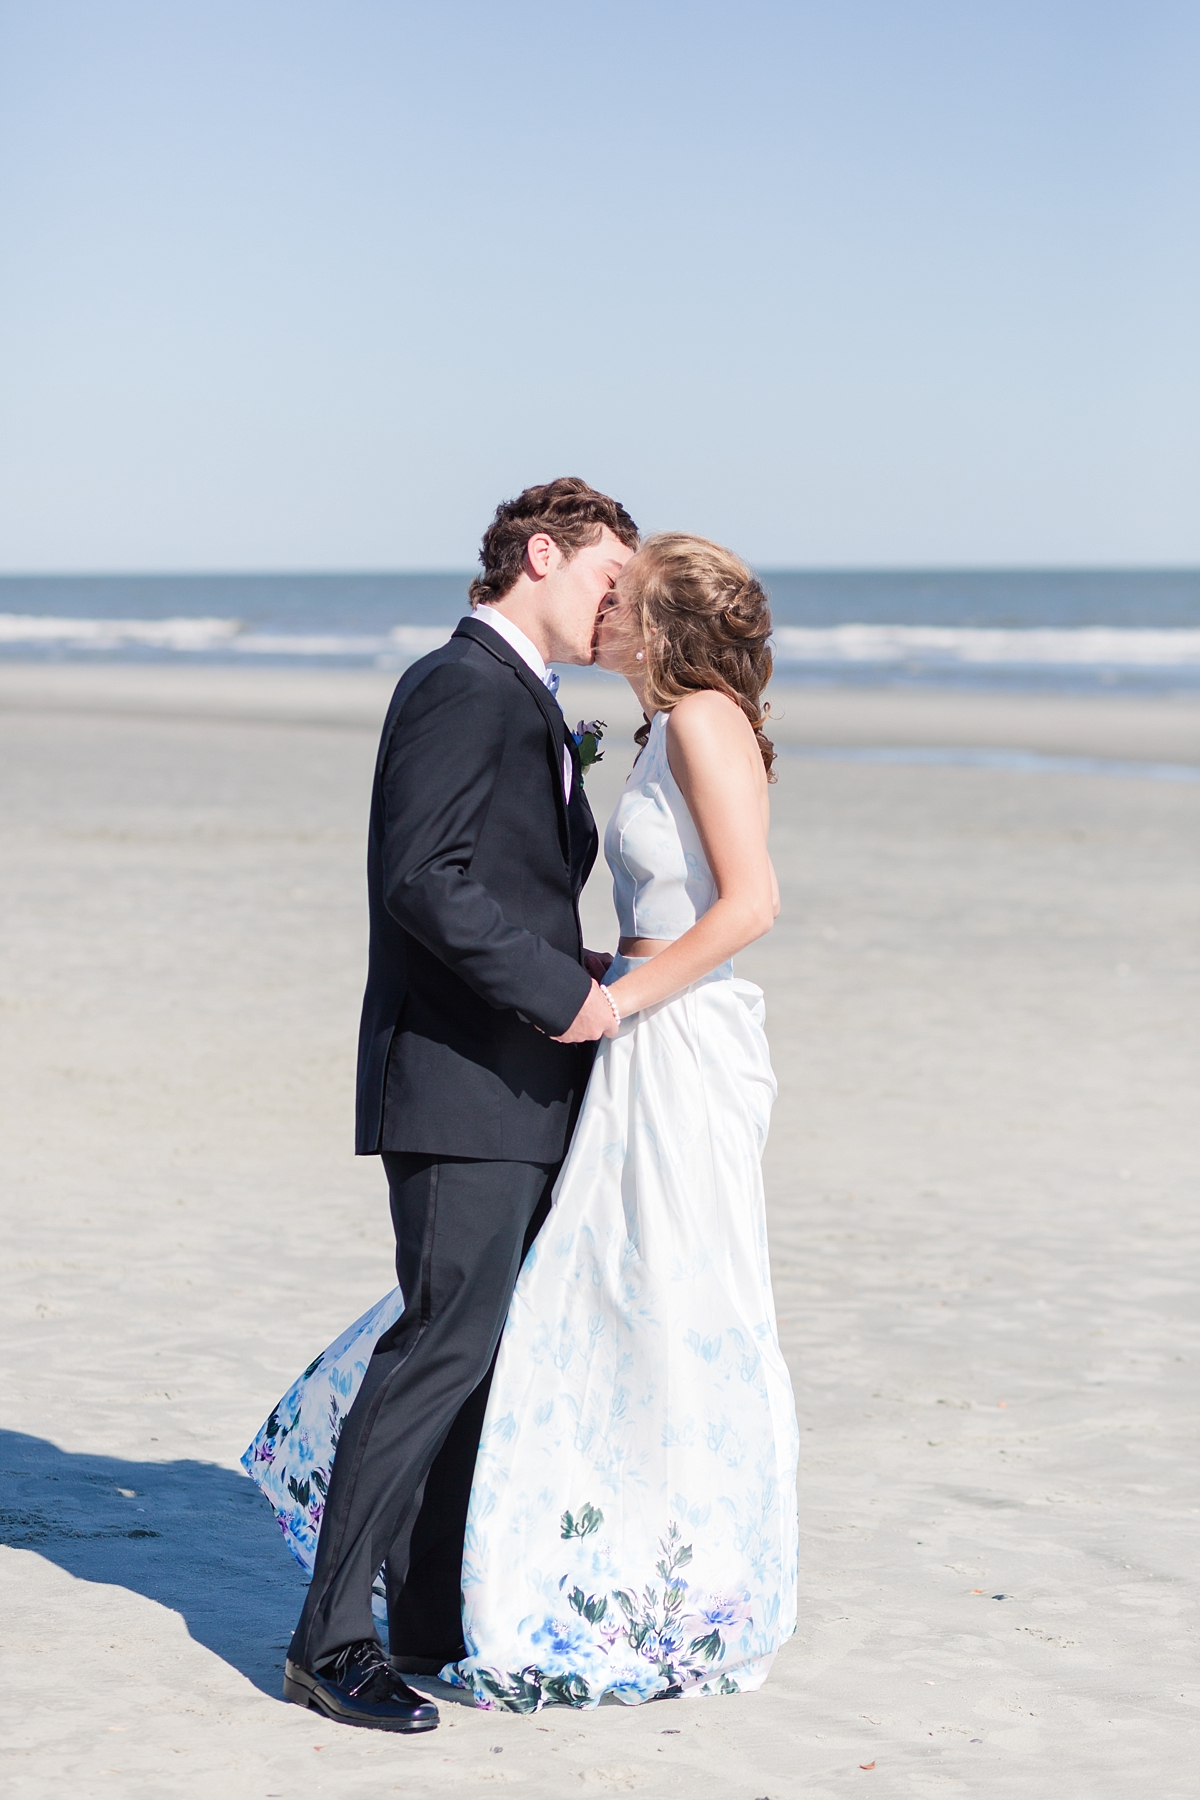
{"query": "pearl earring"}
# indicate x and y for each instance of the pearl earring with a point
(639, 656)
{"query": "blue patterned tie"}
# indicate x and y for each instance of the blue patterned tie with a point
(551, 680)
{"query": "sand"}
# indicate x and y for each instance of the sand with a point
(982, 1006)
(1163, 728)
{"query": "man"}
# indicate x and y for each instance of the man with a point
(479, 1023)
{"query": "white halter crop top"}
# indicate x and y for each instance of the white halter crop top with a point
(661, 880)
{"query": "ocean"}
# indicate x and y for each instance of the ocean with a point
(1130, 629)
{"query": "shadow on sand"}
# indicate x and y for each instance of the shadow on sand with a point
(195, 1538)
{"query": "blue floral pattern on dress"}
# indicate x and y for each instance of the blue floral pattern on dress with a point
(676, 1638)
(291, 1458)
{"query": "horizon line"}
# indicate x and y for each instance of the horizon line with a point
(468, 573)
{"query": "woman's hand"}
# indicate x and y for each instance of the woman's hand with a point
(715, 759)
(595, 1019)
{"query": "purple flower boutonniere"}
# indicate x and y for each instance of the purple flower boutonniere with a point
(587, 735)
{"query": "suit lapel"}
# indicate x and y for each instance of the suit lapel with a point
(584, 839)
(503, 651)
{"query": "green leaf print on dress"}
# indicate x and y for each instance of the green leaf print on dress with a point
(589, 1520)
(657, 1624)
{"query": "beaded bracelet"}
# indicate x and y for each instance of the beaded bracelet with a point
(615, 1012)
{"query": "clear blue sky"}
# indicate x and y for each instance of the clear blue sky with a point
(296, 285)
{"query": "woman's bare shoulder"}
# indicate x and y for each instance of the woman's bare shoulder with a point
(707, 710)
(709, 717)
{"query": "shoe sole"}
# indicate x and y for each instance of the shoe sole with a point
(300, 1694)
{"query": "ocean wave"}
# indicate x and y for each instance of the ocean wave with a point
(1082, 646)
(111, 634)
(926, 646)
(198, 635)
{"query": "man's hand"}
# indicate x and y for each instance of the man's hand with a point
(595, 1019)
(597, 963)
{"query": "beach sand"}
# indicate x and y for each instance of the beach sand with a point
(981, 1179)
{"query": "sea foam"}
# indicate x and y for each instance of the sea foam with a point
(927, 646)
(1095, 646)
(198, 635)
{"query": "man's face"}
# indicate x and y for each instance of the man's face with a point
(574, 592)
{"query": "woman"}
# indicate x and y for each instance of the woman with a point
(632, 1527)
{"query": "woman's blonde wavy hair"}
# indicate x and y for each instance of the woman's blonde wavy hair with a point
(706, 620)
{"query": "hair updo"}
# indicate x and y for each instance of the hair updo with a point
(707, 624)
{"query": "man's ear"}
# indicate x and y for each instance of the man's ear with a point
(539, 552)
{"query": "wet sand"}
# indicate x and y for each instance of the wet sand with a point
(982, 1007)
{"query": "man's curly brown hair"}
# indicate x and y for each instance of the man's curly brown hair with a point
(567, 510)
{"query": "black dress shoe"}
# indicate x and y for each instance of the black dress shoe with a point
(411, 1662)
(360, 1686)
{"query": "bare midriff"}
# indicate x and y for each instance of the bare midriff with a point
(641, 947)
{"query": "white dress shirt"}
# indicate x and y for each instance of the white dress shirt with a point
(532, 657)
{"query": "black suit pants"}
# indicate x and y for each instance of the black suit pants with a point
(406, 1456)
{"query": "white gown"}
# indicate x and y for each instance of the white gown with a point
(632, 1528)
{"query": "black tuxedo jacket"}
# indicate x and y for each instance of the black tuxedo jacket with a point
(474, 869)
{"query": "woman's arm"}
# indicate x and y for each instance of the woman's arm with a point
(715, 759)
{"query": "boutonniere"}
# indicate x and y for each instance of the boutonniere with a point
(587, 735)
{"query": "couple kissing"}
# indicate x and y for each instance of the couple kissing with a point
(560, 1456)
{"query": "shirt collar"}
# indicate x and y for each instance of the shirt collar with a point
(514, 636)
